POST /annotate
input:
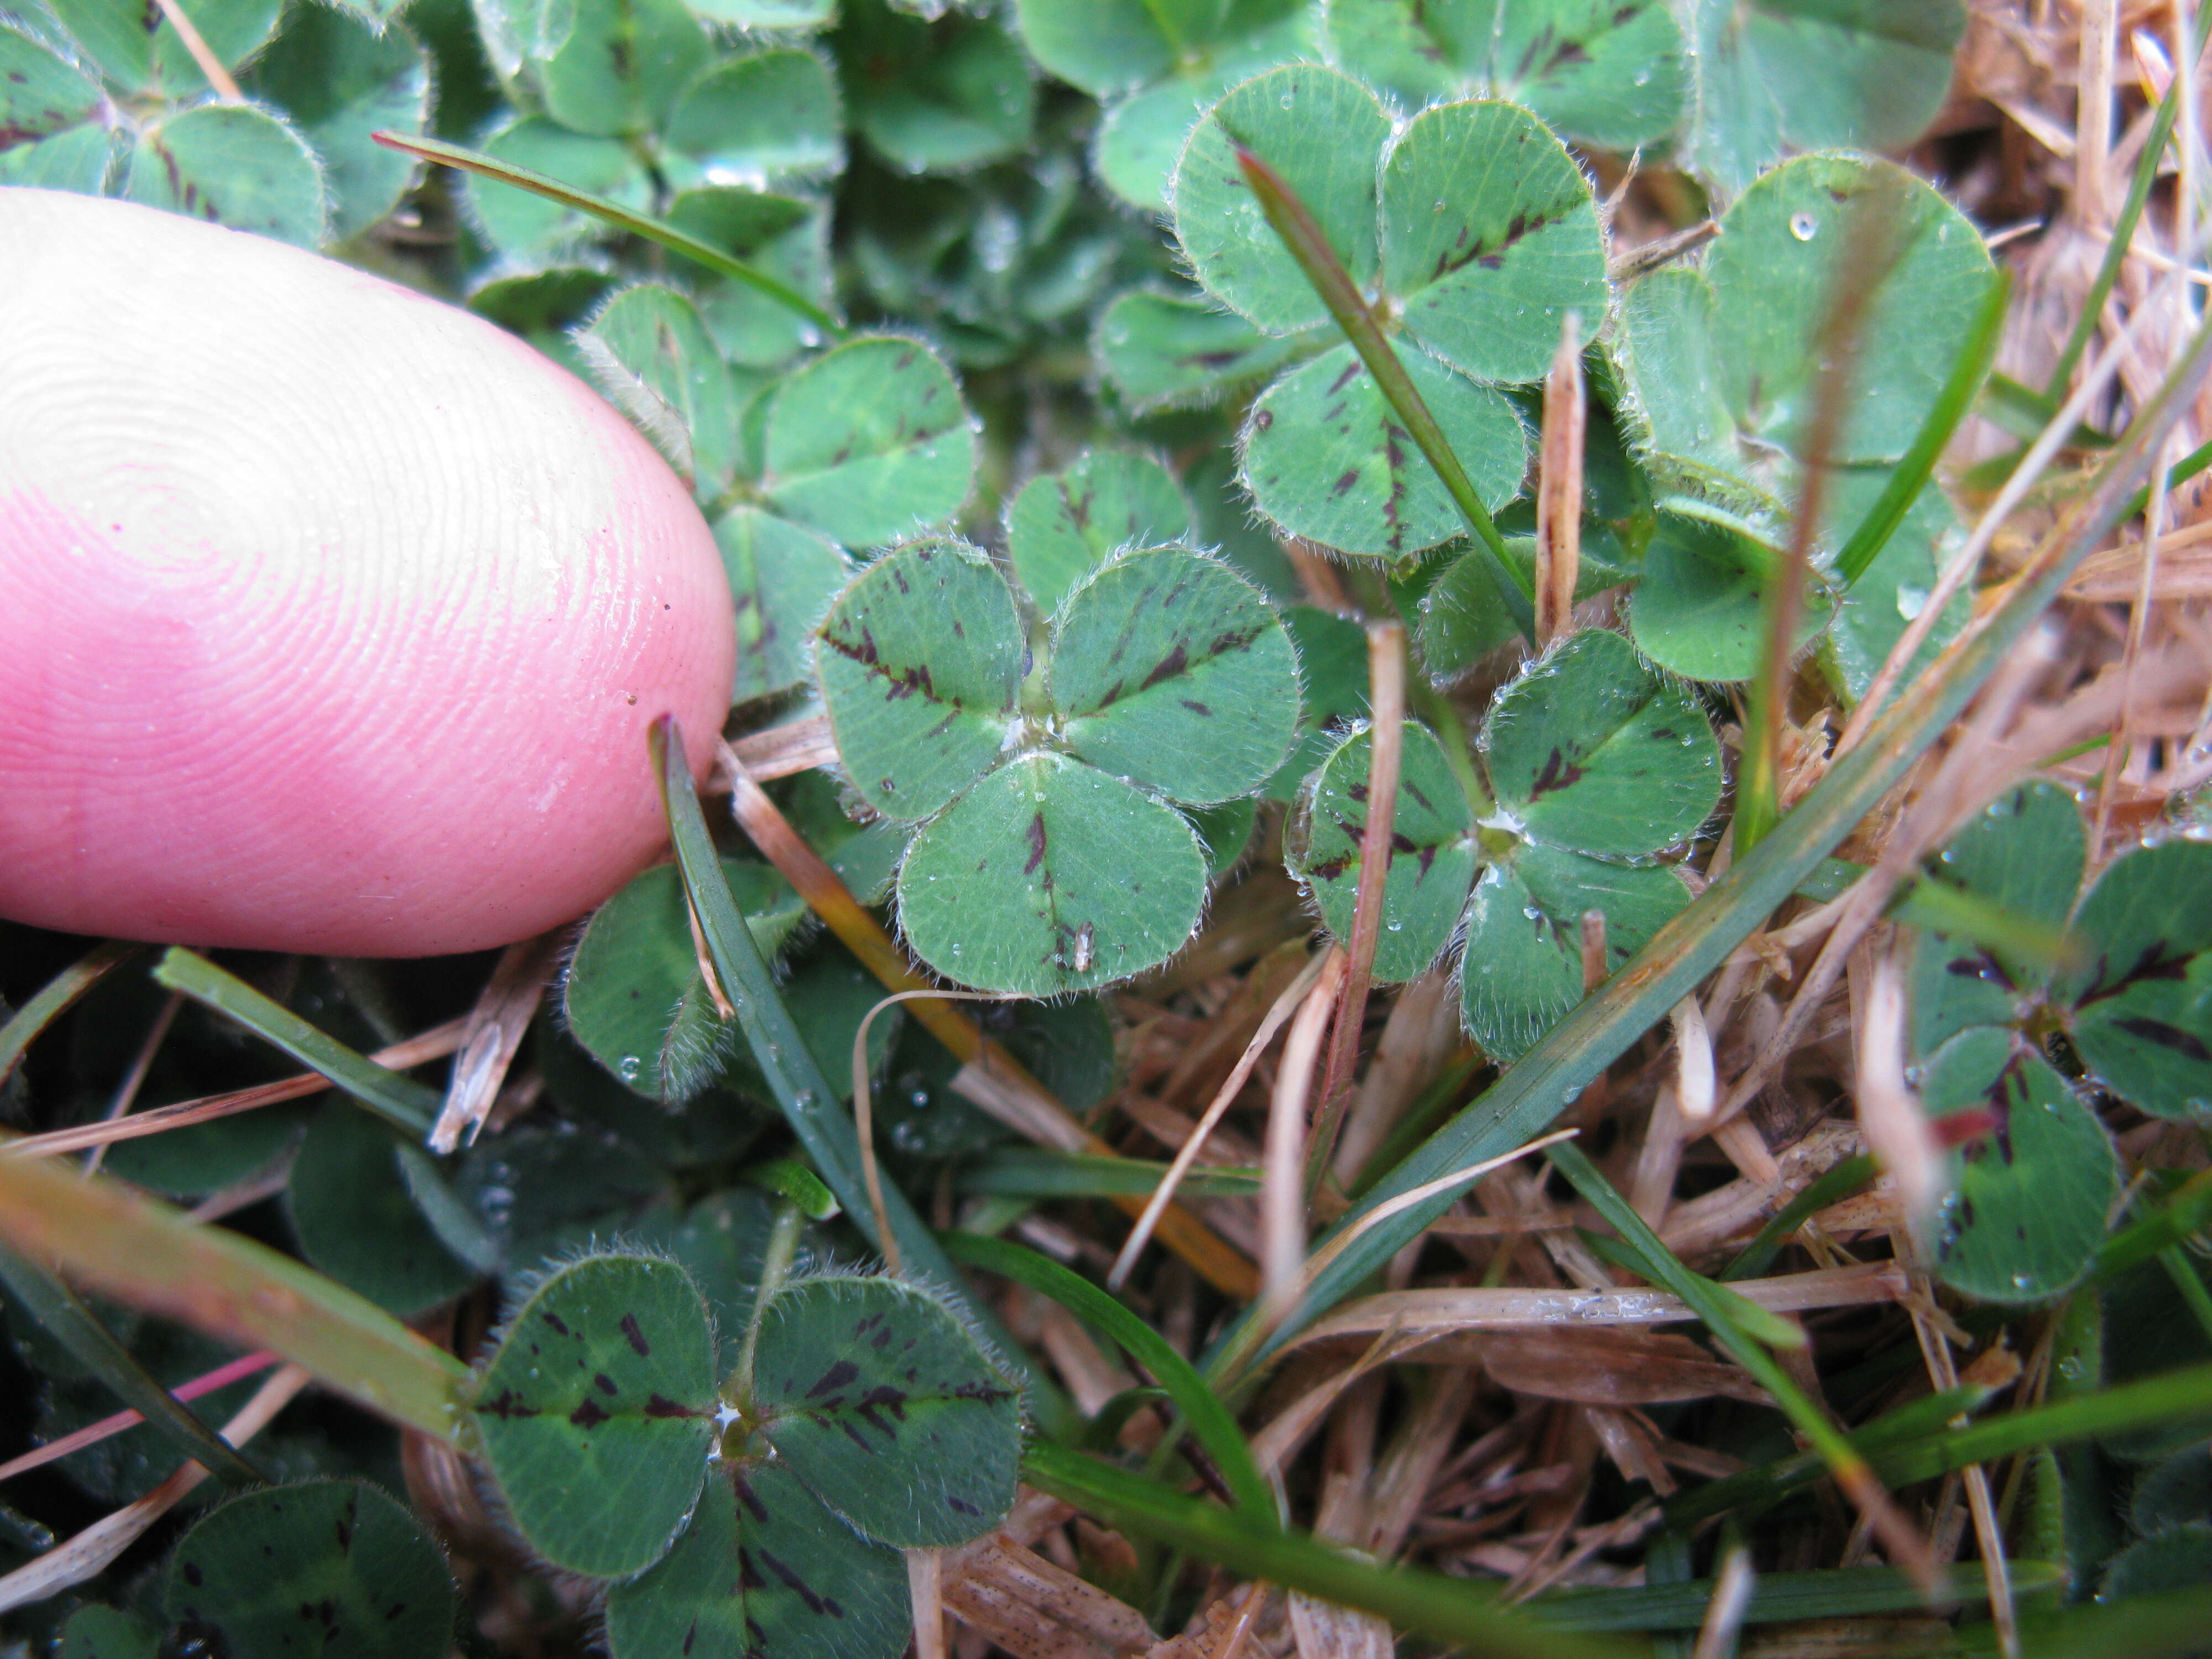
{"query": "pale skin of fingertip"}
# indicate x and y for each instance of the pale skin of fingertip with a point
(332, 618)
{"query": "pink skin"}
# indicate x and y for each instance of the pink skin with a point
(331, 617)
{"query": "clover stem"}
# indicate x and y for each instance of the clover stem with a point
(1443, 717)
(781, 1250)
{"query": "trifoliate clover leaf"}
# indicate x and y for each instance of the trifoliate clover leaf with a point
(150, 58)
(633, 996)
(339, 80)
(783, 577)
(1432, 849)
(2034, 1189)
(1062, 524)
(882, 1402)
(869, 442)
(596, 1412)
(1591, 750)
(340, 1557)
(43, 101)
(1596, 763)
(1048, 863)
(622, 64)
(2133, 987)
(1051, 876)
(1326, 456)
(1484, 277)
(1166, 350)
(1158, 66)
(356, 1220)
(763, 116)
(1609, 73)
(1521, 972)
(652, 355)
(1699, 605)
(919, 661)
(1775, 75)
(763, 1568)
(2143, 999)
(1324, 133)
(1172, 670)
(1722, 364)
(235, 165)
(934, 97)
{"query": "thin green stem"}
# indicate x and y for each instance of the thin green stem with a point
(405, 1104)
(781, 1251)
(2123, 228)
(53, 998)
(1911, 474)
(622, 218)
(2182, 471)
(69, 1322)
(1309, 245)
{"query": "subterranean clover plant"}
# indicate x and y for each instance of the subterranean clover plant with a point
(762, 1511)
(1016, 530)
(2115, 998)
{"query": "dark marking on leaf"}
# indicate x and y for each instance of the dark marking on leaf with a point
(2185, 1044)
(1558, 773)
(836, 1376)
(588, 1414)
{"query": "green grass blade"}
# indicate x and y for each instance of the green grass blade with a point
(1952, 402)
(1309, 245)
(54, 998)
(1724, 1312)
(622, 218)
(2147, 163)
(2024, 412)
(72, 1324)
(1026, 1172)
(1449, 1609)
(2187, 1210)
(810, 1105)
(147, 1254)
(1849, 1177)
(1208, 1418)
(405, 1104)
(2181, 471)
(1781, 1597)
(1522, 1103)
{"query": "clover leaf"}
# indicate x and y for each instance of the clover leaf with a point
(1173, 350)
(2126, 1003)
(1062, 524)
(862, 1418)
(1722, 364)
(342, 1555)
(633, 996)
(340, 80)
(1597, 763)
(1609, 73)
(1775, 75)
(1475, 230)
(1157, 66)
(934, 97)
(1048, 857)
(596, 1412)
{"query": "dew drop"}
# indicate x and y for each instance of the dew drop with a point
(1803, 226)
(630, 1068)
